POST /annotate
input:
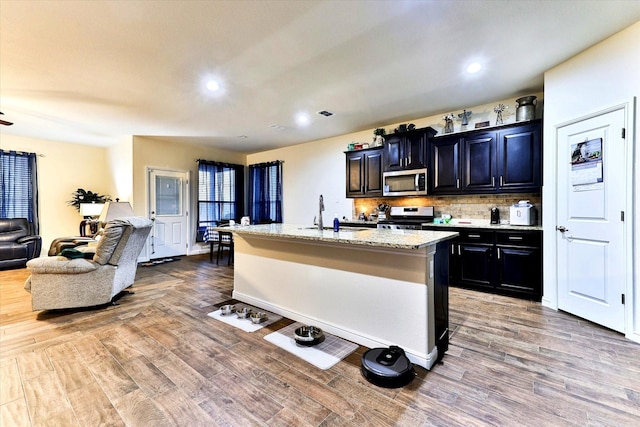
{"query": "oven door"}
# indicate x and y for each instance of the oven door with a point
(405, 183)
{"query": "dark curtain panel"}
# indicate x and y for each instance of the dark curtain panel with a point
(19, 184)
(265, 192)
(220, 192)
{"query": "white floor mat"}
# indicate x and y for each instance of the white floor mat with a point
(245, 324)
(324, 355)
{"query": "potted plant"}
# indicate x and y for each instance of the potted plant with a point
(378, 139)
(83, 196)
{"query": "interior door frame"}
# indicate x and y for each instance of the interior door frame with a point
(550, 299)
(186, 195)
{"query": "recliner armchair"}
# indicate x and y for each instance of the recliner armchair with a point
(18, 244)
(58, 282)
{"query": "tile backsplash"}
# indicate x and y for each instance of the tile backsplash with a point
(467, 206)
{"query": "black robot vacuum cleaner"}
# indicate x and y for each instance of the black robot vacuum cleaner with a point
(387, 367)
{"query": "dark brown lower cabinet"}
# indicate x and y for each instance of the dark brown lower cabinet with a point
(502, 262)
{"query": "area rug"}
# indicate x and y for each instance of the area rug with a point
(324, 355)
(245, 324)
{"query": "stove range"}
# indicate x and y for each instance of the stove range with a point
(407, 217)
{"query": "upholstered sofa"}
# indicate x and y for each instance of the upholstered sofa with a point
(58, 282)
(18, 244)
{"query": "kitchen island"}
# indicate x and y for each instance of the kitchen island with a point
(373, 287)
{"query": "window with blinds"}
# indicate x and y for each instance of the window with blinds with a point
(18, 181)
(220, 193)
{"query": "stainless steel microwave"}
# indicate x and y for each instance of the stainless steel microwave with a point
(411, 182)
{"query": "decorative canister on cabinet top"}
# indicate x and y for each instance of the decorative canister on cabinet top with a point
(526, 109)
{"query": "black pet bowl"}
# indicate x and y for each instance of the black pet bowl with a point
(308, 335)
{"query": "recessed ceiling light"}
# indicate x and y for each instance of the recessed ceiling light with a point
(213, 85)
(302, 119)
(474, 67)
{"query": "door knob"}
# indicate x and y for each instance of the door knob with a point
(562, 228)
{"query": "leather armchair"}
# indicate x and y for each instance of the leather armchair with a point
(58, 282)
(61, 243)
(18, 244)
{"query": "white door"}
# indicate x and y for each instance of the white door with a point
(591, 191)
(167, 208)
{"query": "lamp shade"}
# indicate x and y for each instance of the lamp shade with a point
(91, 209)
(113, 210)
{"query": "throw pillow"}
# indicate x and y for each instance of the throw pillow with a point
(110, 238)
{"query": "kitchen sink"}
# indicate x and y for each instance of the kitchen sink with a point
(346, 228)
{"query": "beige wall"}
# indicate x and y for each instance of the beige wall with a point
(156, 153)
(318, 167)
(120, 165)
(62, 170)
(119, 171)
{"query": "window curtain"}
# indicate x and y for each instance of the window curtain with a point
(19, 184)
(265, 192)
(220, 192)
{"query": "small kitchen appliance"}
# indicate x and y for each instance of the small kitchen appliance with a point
(522, 213)
(387, 367)
(405, 183)
(407, 217)
(495, 216)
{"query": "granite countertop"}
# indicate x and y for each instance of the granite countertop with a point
(484, 223)
(458, 223)
(396, 239)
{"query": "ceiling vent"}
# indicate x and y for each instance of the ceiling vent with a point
(325, 113)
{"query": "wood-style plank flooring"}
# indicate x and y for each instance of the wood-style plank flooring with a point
(156, 359)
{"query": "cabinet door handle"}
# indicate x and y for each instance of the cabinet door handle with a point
(501, 181)
(515, 237)
(474, 236)
(457, 182)
(453, 249)
(498, 252)
(493, 181)
(459, 250)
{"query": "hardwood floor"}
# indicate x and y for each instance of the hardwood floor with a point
(156, 359)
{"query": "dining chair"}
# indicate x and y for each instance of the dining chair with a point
(225, 240)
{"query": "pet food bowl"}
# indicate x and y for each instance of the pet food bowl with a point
(227, 309)
(258, 317)
(308, 335)
(243, 312)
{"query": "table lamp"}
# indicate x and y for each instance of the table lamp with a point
(117, 209)
(90, 211)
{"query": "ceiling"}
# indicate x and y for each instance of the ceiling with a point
(93, 72)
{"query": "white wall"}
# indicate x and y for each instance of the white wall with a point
(605, 75)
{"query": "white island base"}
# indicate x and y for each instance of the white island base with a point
(373, 296)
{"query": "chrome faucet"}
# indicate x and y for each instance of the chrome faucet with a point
(320, 209)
